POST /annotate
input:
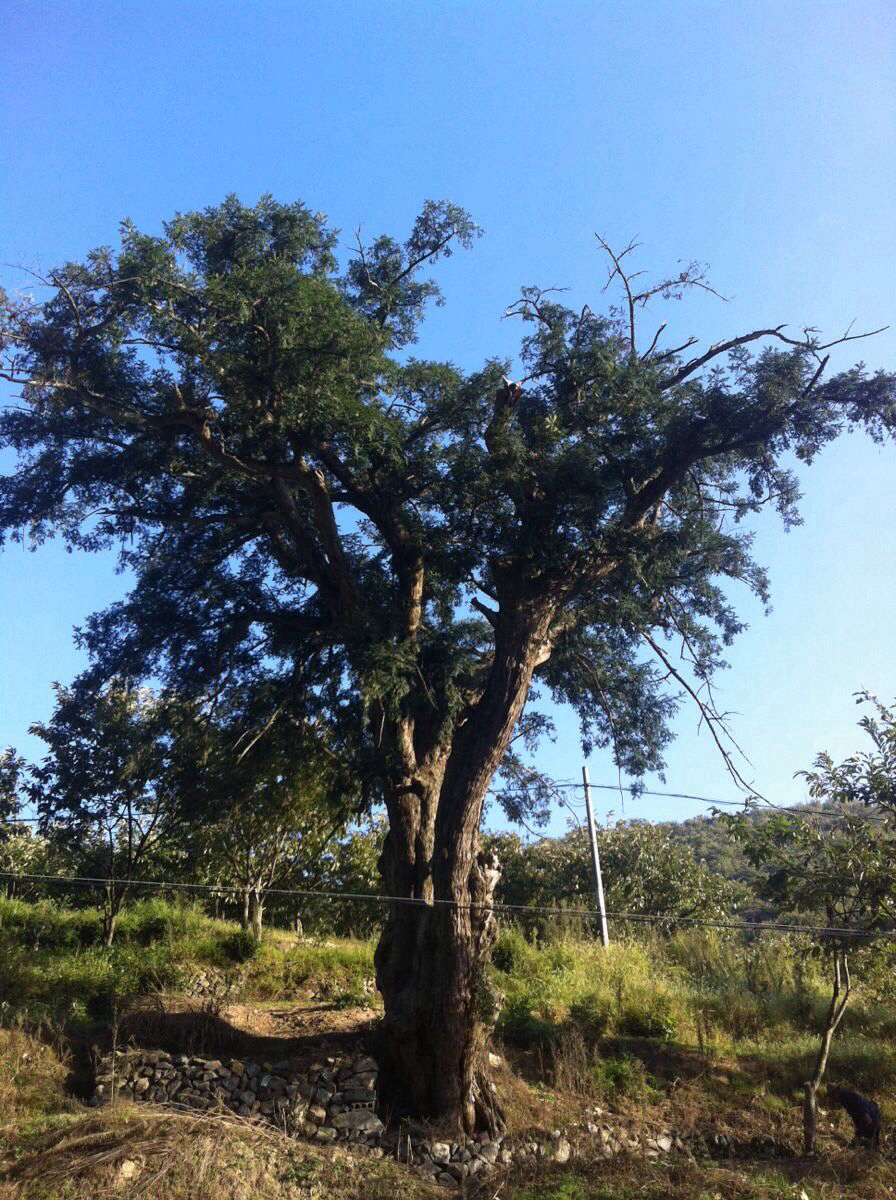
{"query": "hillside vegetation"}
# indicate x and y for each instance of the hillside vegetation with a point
(701, 1031)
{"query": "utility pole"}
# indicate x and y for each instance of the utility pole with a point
(595, 862)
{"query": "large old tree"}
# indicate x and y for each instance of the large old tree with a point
(401, 549)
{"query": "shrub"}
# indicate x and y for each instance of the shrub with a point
(156, 919)
(622, 1075)
(239, 946)
(518, 1024)
(591, 1013)
(640, 1020)
(510, 950)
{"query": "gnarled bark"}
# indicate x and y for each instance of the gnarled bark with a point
(430, 963)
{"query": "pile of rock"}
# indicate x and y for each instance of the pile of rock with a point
(326, 1100)
(448, 1163)
(210, 983)
(336, 1099)
(613, 1139)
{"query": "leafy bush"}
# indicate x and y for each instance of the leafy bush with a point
(591, 1013)
(519, 1025)
(352, 998)
(622, 1075)
(238, 946)
(510, 950)
(49, 925)
(156, 919)
(639, 1020)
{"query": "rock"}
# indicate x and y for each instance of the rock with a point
(317, 1114)
(440, 1152)
(236, 1068)
(359, 1120)
(365, 1080)
(326, 1133)
(490, 1153)
(456, 1171)
(562, 1150)
(445, 1179)
(664, 1142)
(364, 1063)
(128, 1170)
(141, 1085)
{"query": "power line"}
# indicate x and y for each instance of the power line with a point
(636, 793)
(417, 902)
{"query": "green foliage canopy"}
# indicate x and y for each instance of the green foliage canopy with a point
(645, 872)
(302, 502)
(835, 864)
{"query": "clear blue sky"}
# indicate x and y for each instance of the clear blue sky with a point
(758, 137)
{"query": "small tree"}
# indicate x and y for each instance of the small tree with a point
(645, 871)
(831, 868)
(348, 866)
(14, 835)
(11, 769)
(262, 809)
(108, 782)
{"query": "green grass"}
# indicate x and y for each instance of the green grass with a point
(334, 969)
(589, 1012)
(54, 967)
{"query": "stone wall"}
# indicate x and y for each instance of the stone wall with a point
(335, 1100)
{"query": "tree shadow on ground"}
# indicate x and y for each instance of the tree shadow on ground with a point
(198, 1031)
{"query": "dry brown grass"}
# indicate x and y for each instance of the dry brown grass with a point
(52, 1148)
(163, 1155)
(33, 1071)
(845, 1176)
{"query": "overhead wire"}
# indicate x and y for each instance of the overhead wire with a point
(419, 902)
(744, 805)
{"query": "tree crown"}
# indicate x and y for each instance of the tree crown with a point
(302, 502)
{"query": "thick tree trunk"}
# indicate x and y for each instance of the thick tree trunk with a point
(439, 1010)
(430, 963)
(244, 916)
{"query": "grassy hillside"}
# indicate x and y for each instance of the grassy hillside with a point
(701, 1032)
